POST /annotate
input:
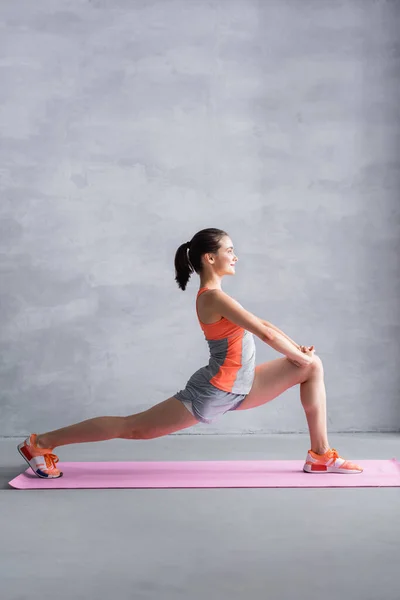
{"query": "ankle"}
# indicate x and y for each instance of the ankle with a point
(320, 450)
(40, 443)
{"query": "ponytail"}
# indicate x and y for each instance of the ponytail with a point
(183, 266)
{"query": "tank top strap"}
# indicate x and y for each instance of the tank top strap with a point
(201, 291)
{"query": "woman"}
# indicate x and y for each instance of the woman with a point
(230, 381)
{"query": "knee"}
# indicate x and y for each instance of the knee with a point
(317, 366)
(134, 430)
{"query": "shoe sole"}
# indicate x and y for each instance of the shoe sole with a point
(30, 466)
(307, 469)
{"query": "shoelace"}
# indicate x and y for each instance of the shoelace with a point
(333, 454)
(51, 460)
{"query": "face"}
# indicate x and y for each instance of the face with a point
(227, 258)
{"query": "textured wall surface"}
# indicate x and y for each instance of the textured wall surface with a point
(126, 127)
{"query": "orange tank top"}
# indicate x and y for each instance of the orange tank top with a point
(232, 354)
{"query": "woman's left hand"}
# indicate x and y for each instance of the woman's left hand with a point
(304, 348)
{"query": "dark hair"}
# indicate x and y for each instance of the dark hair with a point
(186, 262)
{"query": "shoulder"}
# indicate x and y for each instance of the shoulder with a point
(232, 310)
(220, 298)
(225, 304)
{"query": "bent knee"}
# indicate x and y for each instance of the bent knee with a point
(315, 369)
(317, 365)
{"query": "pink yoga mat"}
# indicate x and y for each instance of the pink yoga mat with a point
(208, 474)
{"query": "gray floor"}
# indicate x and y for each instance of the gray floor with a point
(207, 543)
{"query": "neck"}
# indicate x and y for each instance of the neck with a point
(211, 285)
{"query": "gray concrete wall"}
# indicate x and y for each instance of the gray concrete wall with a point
(127, 126)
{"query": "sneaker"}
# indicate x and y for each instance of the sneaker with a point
(42, 461)
(330, 462)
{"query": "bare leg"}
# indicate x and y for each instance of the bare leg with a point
(313, 399)
(91, 430)
(162, 419)
(275, 377)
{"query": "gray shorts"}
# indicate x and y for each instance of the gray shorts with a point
(206, 402)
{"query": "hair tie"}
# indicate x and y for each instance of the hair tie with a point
(187, 255)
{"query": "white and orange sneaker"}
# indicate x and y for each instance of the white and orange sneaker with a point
(42, 461)
(330, 462)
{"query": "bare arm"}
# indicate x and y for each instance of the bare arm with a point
(274, 328)
(232, 310)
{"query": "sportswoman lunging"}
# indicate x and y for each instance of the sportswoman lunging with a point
(231, 380)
